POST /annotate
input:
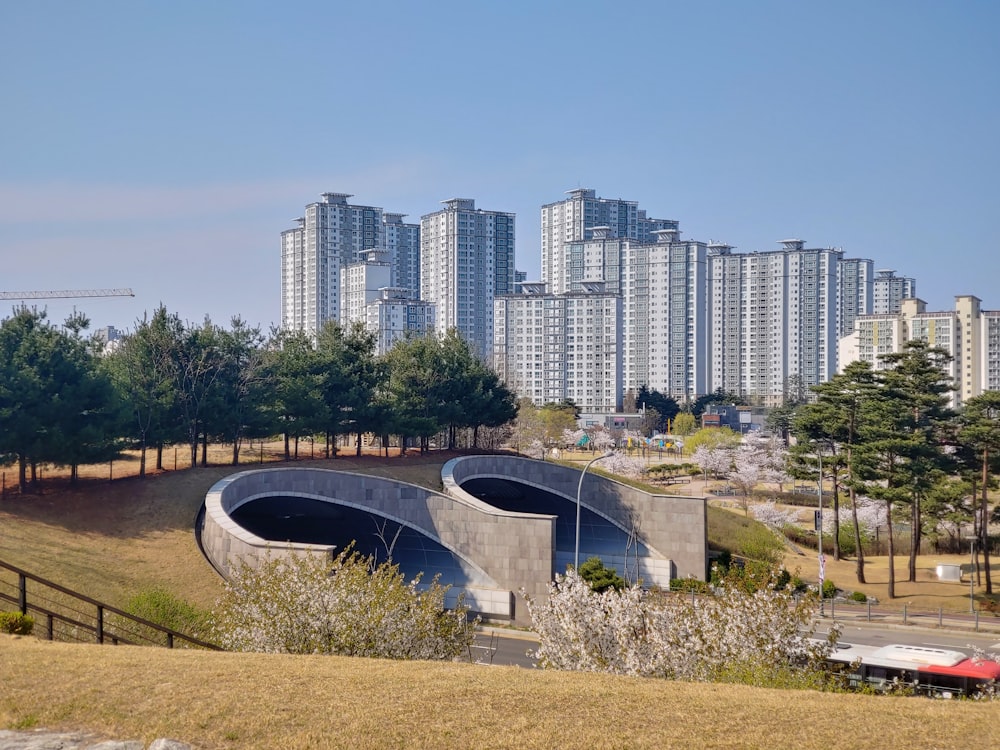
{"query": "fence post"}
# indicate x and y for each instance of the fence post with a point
(170, 640)
(51, 629)
(22, 593)
(904, 615)
(100, 624)
(869, 603)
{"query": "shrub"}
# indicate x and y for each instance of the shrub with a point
(782, 579)
(599, 576)
(689, 584)
(16, 624)
(305, 604)
(161, 607)
(848, 547)
(829, 589)
(858, 596)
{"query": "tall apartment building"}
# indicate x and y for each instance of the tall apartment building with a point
(855, 288)
(402, 244)
(550, 347)
(969, 334)
(331, 234)
(574, 219)
(361, 283)
(772, 315)
(889, 291)
(393, 315)
(665, 308)
(663, 286)
(466, 259)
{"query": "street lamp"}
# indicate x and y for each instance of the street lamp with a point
(579, 489)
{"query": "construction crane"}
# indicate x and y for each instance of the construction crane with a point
(68, 294)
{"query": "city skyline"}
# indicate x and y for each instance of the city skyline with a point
(165, 150)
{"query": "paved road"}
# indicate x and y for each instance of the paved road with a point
(511, 647)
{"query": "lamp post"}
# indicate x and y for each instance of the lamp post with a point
(579, 489)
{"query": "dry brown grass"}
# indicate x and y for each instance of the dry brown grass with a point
(218, 700)
(110, 540)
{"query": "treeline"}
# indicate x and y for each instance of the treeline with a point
(889, 435)
(66, 401)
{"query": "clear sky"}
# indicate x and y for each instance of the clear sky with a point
(164, 146)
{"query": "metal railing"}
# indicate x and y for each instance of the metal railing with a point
(66, 615)
(976, 620)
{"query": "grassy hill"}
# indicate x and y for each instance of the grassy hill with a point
(222, 700)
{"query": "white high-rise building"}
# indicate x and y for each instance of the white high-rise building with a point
(889, 291)
(551, 347)
(574, 219)
(466, 260)
(361, 283)
(663, 285)
(773, 316)
(678, 322)
(331, 234)
(854, 292)
(393, 315)
(402, 243)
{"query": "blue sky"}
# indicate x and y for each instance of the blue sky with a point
(164, 146)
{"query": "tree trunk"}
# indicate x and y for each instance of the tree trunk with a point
(986, 522)
(194, 447)
(159, 456)
(204, 449)
(892, 550)
(288, 455)
(236, 453)
(836, 512)
(22, 473)
(914, 539)
(357, 452)
(74, 473)
(296, 447)
(860, 567)
(142, 459)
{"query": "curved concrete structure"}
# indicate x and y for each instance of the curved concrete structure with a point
(673, 528)
(509, 551)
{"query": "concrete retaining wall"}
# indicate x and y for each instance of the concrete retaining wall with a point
(672, 527)
(514, 549)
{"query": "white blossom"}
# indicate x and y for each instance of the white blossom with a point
(305, 603)
(714, 460)
(622, 465)
(771, 515)
(728, 635)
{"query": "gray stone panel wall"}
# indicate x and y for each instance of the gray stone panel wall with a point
(514, 549)
(672, 527)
